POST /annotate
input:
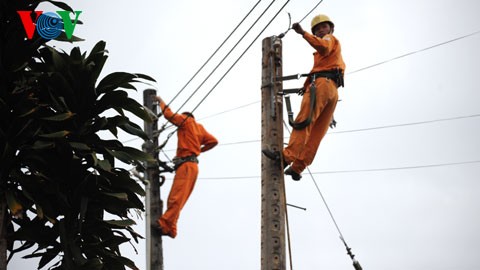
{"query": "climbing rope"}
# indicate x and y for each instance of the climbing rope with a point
(356, 264)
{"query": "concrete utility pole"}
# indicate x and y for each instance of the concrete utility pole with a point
(153, 202)
(273, 191)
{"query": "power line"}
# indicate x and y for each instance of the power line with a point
(310, 11)
(401, 168)
(215, 114)
(306, 15)
(342, 131)
(215, 52)
(401, 56)
(229, 69)
(358, 70)
(223, 59)
(366, 129)
(236, 61)
(407, 124)
(353, 171)
(407, 54)
(216, 67)
(414, 52)
(230, 110)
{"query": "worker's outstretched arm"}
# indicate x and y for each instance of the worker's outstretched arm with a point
(321, 45)
(174, 118)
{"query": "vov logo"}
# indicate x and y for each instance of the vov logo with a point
(49, 25)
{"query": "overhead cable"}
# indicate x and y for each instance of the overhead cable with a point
(238, 59)
(310, 12)
(404, 55)
(414, 52)
(215, 52)
(289, 18)
(225, 74)
(225, 57)
(363, 129)
(354, 170)
(407, 124)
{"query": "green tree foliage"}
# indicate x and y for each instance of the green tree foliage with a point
(58, 176)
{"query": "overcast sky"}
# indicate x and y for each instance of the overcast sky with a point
(400, 171)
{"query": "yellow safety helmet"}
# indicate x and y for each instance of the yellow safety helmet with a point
(320, 19)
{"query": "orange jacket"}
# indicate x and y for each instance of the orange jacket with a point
(192, 136)
(328, 54)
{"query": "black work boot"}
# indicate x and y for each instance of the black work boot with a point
(295, 176)
(274, 155)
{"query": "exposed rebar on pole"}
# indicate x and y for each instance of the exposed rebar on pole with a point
(273, 200)
(153, 202)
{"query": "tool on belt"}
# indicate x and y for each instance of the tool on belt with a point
(177, 161)
(336, 75)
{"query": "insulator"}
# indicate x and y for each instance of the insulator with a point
(357, 265)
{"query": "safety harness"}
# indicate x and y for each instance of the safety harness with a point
(336, 75)
(177, 161)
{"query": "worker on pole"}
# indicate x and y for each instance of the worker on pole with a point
(192, 140)
(320, 97)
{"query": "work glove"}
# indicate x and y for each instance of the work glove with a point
(298, 28)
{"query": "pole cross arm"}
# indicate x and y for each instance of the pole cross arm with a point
(290, 91)
(291, 77)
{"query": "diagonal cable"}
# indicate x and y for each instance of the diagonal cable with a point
(414, 52)
(236, 61)
(215, 52)
(225, 57)
(225, 74)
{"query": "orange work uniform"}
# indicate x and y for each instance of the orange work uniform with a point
(192, 140)
(303, 143)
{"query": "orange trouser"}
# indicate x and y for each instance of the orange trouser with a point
(304, 143)
(182, 187)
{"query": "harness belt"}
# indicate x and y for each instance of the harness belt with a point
(177, 161)
(335, 75)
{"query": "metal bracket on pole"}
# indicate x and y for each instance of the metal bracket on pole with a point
(291, 77)
(290, 91)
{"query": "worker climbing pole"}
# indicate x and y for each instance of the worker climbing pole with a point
(273, 189)
(320, 96)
